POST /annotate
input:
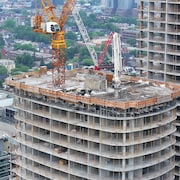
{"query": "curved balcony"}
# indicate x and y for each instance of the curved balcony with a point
(84, 148)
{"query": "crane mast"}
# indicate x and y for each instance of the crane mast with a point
(55, 27)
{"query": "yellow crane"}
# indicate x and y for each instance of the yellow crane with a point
(45, 21)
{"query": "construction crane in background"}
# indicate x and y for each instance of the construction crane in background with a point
(101, 57)
(45, 21)
(97, 61)
(85, 36)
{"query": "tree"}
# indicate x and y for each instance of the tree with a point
(42, 62)
(83, 52)
(3, 71)
(132, 52)
(9, 25)
(26, 33)
(19, 69)
(71, 35)
(87, 62)
(132, 42)
(1, 84)
(95, 2)
(123, 19)
(71, 51)
(28, 47)
(2, 43)
(82, 2)
(25, 59)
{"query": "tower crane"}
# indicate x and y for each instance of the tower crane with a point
(97, 61)
(101, 57)
(45, 21)
(85, 36)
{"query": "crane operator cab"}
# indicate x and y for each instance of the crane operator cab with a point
(44, 27)
(51, 27)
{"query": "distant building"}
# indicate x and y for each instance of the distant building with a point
(45, 56)
(127, 35)
(6, 108)
(8, 64)
(7, 145)
(158, 51)
(4, 165)
(117, 6)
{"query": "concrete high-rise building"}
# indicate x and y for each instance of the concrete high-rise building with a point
(158, 49)
(90, 131)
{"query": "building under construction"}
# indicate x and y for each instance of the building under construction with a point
(158, 49)
(89, 130)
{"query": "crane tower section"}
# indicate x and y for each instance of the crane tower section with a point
(54, 26)
(85, 36)
(101, 57)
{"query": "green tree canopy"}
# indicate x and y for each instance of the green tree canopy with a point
(132, 42)
(123, 19)
(1, 84)
(2, 43)
(83, 52)
(95, 2)
(87, 62)
(26, 33)
(71, 51)
(28, 47)
(3, 71)
(19, 69)
(70, 35)
(25, 59)
(9, 25)
(132, 52)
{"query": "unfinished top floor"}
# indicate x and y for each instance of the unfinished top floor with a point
(91, 87)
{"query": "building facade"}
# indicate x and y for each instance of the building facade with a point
(158, 49)
(108, 135)
(4, 165)
(6, 108)
(8, 64)
(4, 155)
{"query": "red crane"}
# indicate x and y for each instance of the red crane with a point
(101, 57)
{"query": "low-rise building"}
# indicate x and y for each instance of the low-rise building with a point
(6, 108)
(8, 64)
